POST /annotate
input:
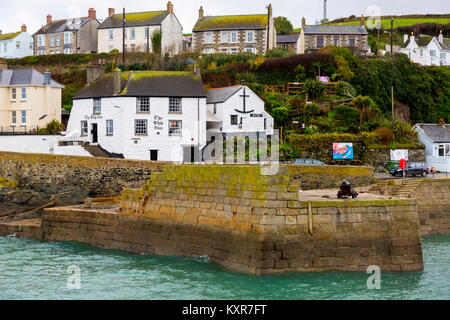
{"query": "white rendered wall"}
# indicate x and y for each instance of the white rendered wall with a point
(122, 110)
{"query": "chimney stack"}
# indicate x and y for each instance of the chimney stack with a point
(405, 38)
(24, 28)
(92, 14)
(170, 7)
(441, 38)
(201, 13)
(413, 38)
(303, 22)
(47, 78)
(49, 18)
(362, 21)
(111, 12)
(117, 81)
(3, 65)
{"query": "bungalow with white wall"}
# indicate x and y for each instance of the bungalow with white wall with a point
(436, 139)
(237, 111)
(139, 30)
(143, 115)
(16, 45)
(426, 50)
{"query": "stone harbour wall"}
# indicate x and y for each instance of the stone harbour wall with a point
(433, 200)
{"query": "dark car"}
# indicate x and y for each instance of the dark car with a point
(308, 162)
(412, 169)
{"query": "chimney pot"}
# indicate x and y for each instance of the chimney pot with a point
(170, 7)
(111, 12)
(92, 14)
(362, 21)
(201, 13)
(49, 18)
(47, 78)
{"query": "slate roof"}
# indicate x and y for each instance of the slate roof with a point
(424, 41)
(335, 30)
(435, 132)
(221, 95)
(58, 26)
(236, 22)
(9, 36)
(146, 84)
(135, 19)
(288, 38)
(24, 77)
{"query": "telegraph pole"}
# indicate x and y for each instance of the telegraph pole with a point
(124, 46)
(392, 36)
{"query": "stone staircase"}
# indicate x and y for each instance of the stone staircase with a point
(408, 186)
(95, 151)
(396, 188)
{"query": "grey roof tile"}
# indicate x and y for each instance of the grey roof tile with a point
(221, 94)
(335, 30)
(288, 38)
(73, 24)
(435, 132)
(23, 77)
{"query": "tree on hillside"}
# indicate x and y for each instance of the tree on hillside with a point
(367, 108)
(283, 25)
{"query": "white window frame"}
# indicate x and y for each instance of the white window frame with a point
(232, 117)
(84, 128)
(252, 38)
(350, 38)
(17, 44)
(41, 40)
(234, 50)
(13, 118)
(433, 53)
(224, 37)
(58, 41)
(23, 116)
(110, 35)
(175, 105)
(140, 127)
(109, 127)
(68, 51)
(336, 41)
(52, 41)
(234, 37)
(443, 56)
(146, 33)
(23, 94)
(143, 105)
(97, 106)
(68, 37)
(132, 34)
(175, 128)
(209, 37)
(14, 94)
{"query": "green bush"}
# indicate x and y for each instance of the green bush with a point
(278, 53)
(314, 88)
(347, 117)
(386, 136)
(54, 127)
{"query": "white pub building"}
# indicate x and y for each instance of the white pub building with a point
(161, 116)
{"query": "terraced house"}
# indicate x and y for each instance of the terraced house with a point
(140, 27)
(28, 100)
(316, 37)
(235, 33)
(16, 45)
(74, 35)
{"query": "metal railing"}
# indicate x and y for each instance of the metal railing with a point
(19, 130)
(298, 88)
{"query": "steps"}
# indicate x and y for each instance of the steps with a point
(408, 186)
(95, 151)
(380, 188)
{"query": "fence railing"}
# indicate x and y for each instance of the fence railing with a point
(19, 130)
(298, 88)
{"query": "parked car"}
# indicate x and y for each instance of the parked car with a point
(308, 162)
(412, 169)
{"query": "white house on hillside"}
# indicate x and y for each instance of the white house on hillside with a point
(16, 45)
(237, 110)
(427, 51)
(139, 29)
(159, 116)
(436, 139)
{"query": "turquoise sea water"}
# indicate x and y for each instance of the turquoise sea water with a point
(31, 269)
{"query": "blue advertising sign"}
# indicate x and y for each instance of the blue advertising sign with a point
(343, 151)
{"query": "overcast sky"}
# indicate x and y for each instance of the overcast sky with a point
(33, 13)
